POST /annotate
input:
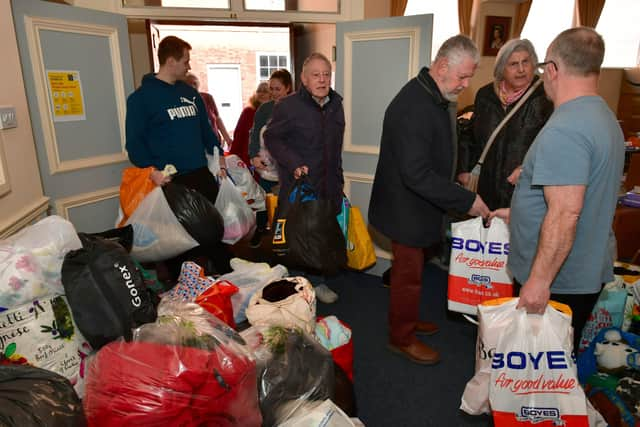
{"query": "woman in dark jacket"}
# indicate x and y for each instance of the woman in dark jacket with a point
(514, 74)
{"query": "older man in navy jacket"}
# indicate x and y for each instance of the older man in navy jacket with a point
(305, 136)
(414, 188)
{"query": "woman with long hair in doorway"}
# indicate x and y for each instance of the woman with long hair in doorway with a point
(240, 146)
(280, 85)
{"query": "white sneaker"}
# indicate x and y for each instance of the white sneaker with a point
(325, 295)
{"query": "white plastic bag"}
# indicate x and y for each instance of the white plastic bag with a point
(157, 233)
(493, 317)
(533, 374)
(43, 333)
(249, 277)
(52, 235)
(213, 162)
(319, 414)
(478, 266)
(253, 194)
(239, 219)
(270, 173)
(31, 260)
(295, 311)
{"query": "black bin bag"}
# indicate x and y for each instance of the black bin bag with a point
(122, 235)
(105, 290)
(299, 370)
(195, 213)
(307, 234)
(32, 397)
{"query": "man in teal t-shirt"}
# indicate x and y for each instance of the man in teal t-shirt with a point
(564, 201)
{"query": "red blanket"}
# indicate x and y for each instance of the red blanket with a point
(142, 383)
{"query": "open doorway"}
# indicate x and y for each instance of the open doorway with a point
(216, 45)
(230, 60)
(314, 37)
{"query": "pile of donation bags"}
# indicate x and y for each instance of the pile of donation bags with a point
(80, 326)
(171, 219)
(609, 358)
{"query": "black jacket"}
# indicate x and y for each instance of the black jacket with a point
(302, 133)
(413, 186)
(508, 150)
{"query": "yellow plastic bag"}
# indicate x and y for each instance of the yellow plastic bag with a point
(360, 251)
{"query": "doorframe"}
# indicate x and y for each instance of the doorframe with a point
(152, 40)
(348, 10)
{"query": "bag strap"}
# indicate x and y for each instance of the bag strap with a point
(504, 121)
(301, 189)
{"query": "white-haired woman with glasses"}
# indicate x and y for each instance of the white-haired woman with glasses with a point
(514, 73)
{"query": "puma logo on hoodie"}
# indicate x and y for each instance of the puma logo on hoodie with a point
(183, 111)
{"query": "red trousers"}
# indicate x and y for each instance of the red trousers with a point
(404, 296)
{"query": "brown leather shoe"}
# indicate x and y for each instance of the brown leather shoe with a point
(426, 328)
(417, 352)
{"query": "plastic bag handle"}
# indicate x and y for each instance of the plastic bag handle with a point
(563, 308)
(299, 185)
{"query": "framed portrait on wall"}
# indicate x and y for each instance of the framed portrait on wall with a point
(496, 32)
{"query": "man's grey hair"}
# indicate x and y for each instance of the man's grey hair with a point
(513, 45)
(580, 50)
(314, 56)
(456, 49)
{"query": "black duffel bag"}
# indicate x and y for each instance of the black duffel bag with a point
(32, 396)
(105, 290)
(195, 213)
(306, 233)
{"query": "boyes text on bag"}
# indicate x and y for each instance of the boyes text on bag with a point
(307, 234)
(493, 317)
(478, 265)
(533, 372)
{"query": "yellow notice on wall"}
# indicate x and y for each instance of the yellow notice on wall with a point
(65, 92)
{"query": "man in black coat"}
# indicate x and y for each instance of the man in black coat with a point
(414, 187)
(305, 137)
(305, 133)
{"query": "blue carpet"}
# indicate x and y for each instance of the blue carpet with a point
(390, 390)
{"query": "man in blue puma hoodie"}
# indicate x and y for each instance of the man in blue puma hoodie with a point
(167, 123)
